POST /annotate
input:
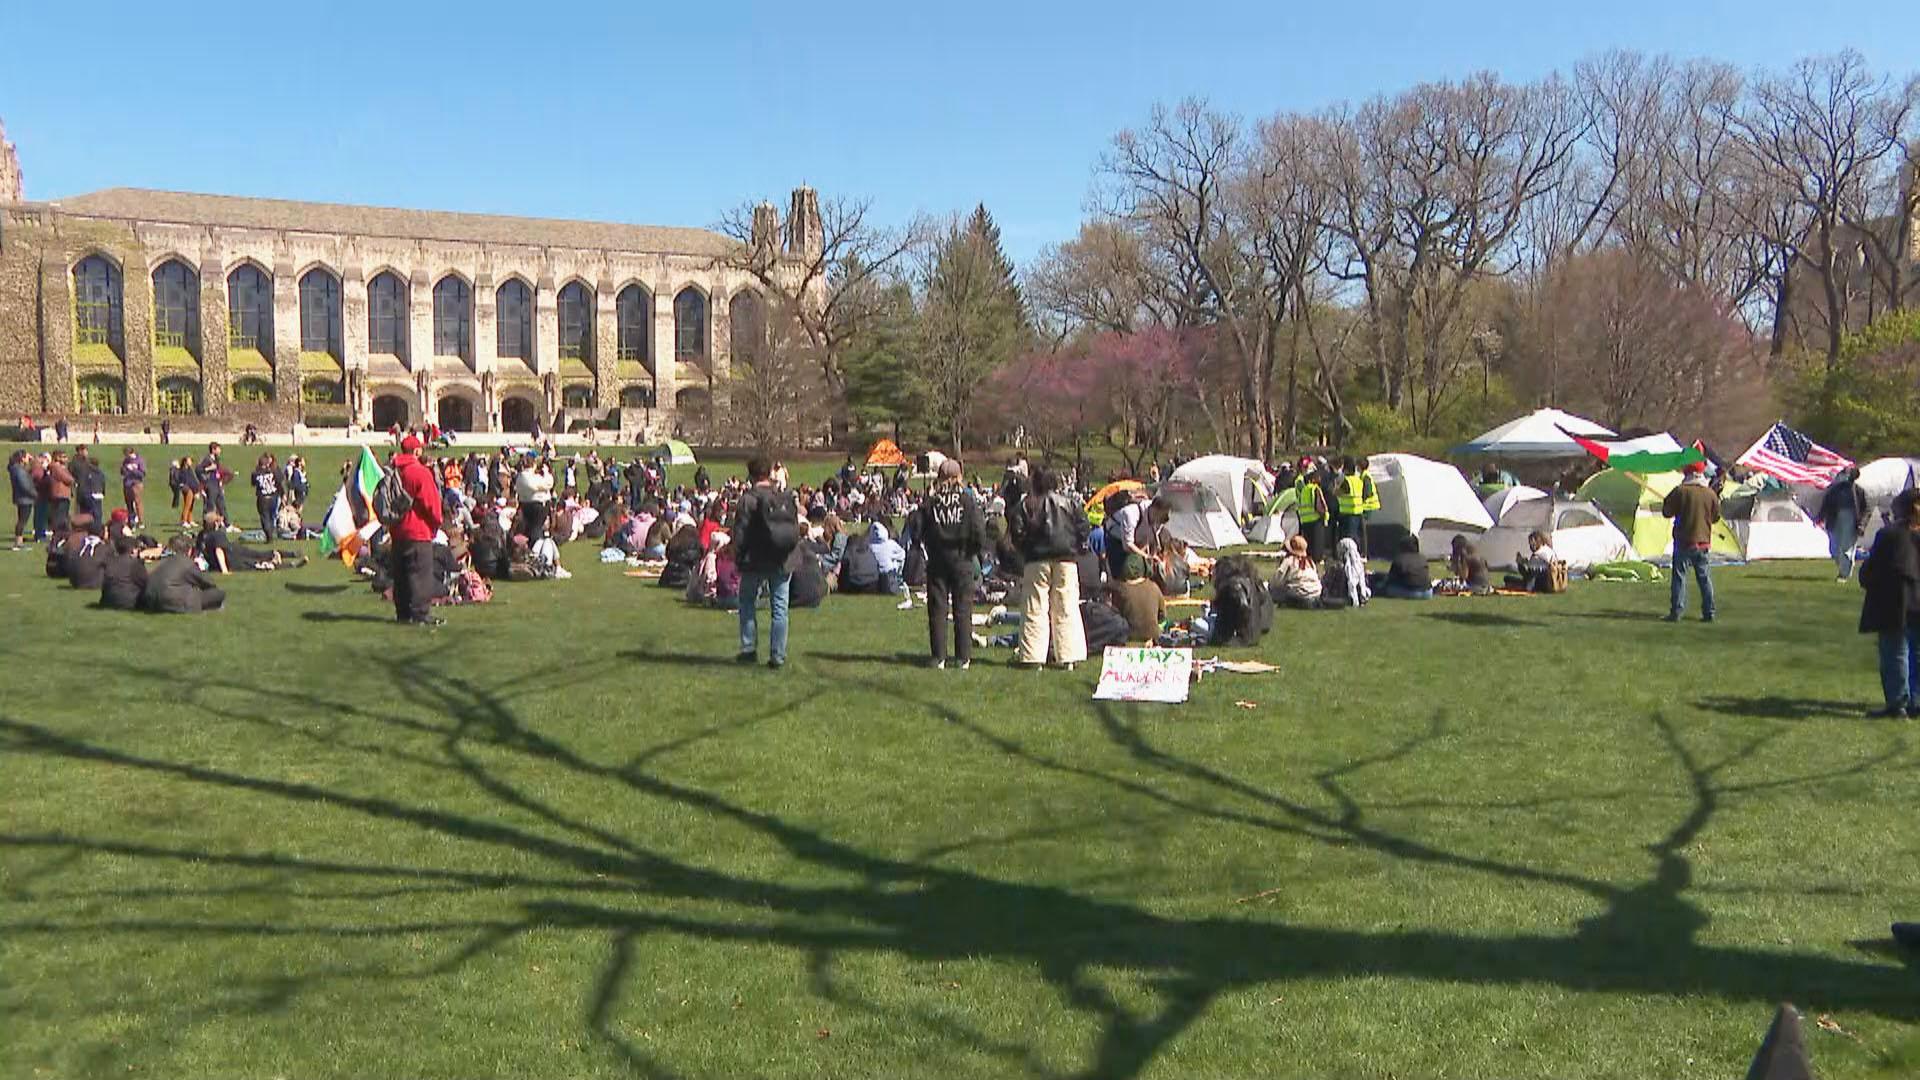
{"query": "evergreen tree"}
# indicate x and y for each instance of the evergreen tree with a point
(881, 392)
(972, 321)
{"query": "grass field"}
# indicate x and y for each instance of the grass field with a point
(566, 836)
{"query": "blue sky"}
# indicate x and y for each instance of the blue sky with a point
(669, 114)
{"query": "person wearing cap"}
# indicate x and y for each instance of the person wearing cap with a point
(412, 555)
(1695, 510)
(952, 530)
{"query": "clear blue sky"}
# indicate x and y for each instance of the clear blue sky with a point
(671, 113)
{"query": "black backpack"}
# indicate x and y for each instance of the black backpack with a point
(1104, 625)
(773, 527)
(859, 570)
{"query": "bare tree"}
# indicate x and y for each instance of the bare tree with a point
(774, 391)
(1096, 281)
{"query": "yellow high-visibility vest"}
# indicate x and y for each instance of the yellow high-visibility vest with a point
(1353, 496)
(1306, 501)
(1371, 500)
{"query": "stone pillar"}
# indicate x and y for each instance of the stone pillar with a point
(136, 332)
(353, 333)
(216, 385)
(665, 369)
(606, 346)
(546, 329)
(419, 324)
(56, 328)
(486, 333)
(286, 336)
(720, 355)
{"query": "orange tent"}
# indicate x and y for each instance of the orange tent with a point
(885, 455)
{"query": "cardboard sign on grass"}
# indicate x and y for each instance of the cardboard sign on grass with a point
(1144, 674)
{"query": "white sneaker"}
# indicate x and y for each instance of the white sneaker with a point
(979, 641)
(965, 664)
(998, 610)
(905, 605)
(938, 665)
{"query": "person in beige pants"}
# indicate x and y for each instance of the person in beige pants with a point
(1049, 527)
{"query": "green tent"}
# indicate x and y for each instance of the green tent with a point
(1633, 501)
(675, 451)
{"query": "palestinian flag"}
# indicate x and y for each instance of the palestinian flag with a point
(1643, 462)
(350, 518)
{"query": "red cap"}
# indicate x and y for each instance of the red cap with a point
(1696, 466)
(118, 516)
(410, 444)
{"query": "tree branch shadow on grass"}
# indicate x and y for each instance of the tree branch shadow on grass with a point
(601, 882)
(1780, 707)
(1480, 619)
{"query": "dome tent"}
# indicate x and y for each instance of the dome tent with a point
(1633, 501)
(1242, 485)
(1196, 517)
(886, 455)
(1427, 498)
(1578, 532)
(1770, 525)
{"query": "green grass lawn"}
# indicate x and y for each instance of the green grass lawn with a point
(566, 836)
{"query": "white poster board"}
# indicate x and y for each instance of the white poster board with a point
(1144, 674)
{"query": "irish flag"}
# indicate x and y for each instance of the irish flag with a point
(350, 518)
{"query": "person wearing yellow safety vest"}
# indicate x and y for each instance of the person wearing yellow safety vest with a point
(1310, 505)
(1356, 498)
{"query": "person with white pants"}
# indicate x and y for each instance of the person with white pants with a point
(1050, 527)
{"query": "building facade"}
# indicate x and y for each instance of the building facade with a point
(215, 311)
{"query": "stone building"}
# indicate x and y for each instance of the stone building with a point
(216, 311)
(1880, 272)
(12, 185)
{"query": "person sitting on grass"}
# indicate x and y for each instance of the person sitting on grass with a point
(1467, 569)
(1138, 600)
(87, 561)
(175, 586)
(124, 577)
(891, 560)
(1536, 566)
(1407, 576)
(223, 556)
(1297, 583)
(61, 543)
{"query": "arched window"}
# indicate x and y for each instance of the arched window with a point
(323, 392)
(250, 310)
(576, 397)
(513, 313)
(96, 303)
(387, 315)
(636, 397)
(320, 313)
(689, 325)
(176, 307)
(746, 328)
(576, 321)
(98, 394)
(177, 396)
(453, 318)
(633, 317)
(517, 415)
(252, 390)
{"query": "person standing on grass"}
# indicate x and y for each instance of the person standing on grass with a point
(133, 485)
(90, 485)
(213, 485)
(1842, 509)
(1695, 510)
(766, 529)
(266, 494)
(59, 491)
(20, 478)
(1890, 606)
(1049, 528)
(952, 530)
(412, 555)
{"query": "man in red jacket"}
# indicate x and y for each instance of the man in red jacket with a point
(413, 538)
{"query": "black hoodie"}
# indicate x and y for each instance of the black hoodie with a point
(953, 526)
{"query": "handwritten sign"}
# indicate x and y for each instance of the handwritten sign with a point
(1144, 675)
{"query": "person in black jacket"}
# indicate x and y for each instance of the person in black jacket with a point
(766, 529)
(1049, 528)
(1890, 607)
(87, 561)
(952, 529)
(175, 586)
(20, 478)
(90, 485)
(124, 577)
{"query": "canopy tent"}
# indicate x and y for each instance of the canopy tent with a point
(1538, 434)
(675, 451)
(1770, 525)
(1241, 484)
(885, 455)
(1197, 517)
(1099, 498)
(1579, 533)
(1633, 501)
(1428, 498)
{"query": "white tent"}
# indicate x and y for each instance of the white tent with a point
(1577, 531)
(1770, 525)
(1536, 435)
(1428, 498)
(1196, 517)
(1242, 485)
(1501, 501)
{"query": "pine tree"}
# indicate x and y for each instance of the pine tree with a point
(973, 320)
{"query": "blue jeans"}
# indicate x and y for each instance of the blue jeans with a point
(1842, 533)
(1900, 667)
(1684, 556)
(777, 584)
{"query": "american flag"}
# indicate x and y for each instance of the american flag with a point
(1791, 456)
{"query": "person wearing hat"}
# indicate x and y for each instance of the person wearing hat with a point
(412, 554)
(1695, 510)
(1297, 583)
(952, 530)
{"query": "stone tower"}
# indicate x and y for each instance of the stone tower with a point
(12, 190)
(766, 233)
(805, 235)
